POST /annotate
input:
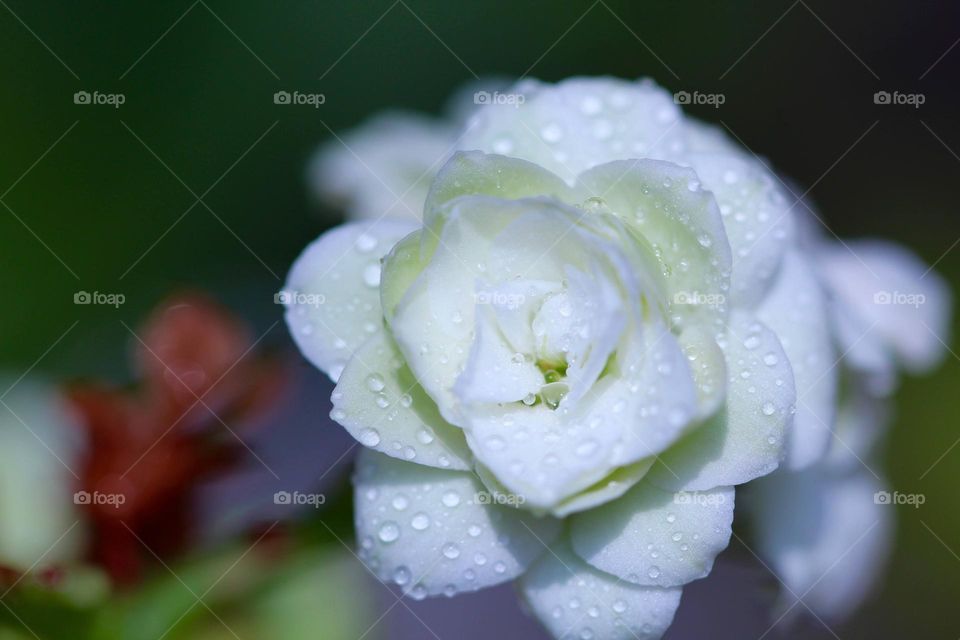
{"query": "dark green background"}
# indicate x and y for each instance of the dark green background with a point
(200, 98)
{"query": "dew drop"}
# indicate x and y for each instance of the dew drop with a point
(420, 521)
(389, 531)
(370, 437)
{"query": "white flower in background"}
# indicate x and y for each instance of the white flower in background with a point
(384, 167)
(601, 326)
(37, 443)
(828, 530)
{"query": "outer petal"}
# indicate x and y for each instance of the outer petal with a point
(579, 123)
(892, 293)
(863, 420)
(575, 601)
(378, 401)
(430, 531)
(796, 311)
(825, 535)
(756, 215)
(746, 440)
(384, 167)
(677, 222)
(332, 293)
(654, 537)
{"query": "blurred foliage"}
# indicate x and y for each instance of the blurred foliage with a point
(115, 198)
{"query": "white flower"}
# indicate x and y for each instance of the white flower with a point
(383, 168)
(38, 445)
(828, 530)
(597, 330)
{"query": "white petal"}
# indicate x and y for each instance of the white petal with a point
(579, 123)
(495, 372)
(477, 173)
(824, 535)
(575, 601)
(384, 167)
(709, 368)
(756, 215)
(378, 401)
(434, 321)
(747, 439)
(610, 488)
(863, 420)
(429, 531)
(332, 293)
(654, 537)
(548, 456)
(891, 293)
(679, 224)
(796, 311)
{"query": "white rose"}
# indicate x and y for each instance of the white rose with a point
(599, 328)
(566, 342)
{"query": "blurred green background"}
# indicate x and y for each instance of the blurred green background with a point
(104, 199)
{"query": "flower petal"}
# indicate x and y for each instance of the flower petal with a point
(796, 311)
(747, 439)
(434, 321)
(654, 537)
(332, 293)
(574, 600)
(678, 223)
(636, 411)
(478, 173)
(609, 488)
(756, 215)
(380, 404)
(891, 291)
(429, 531)
(825, 535)
(579, 123)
